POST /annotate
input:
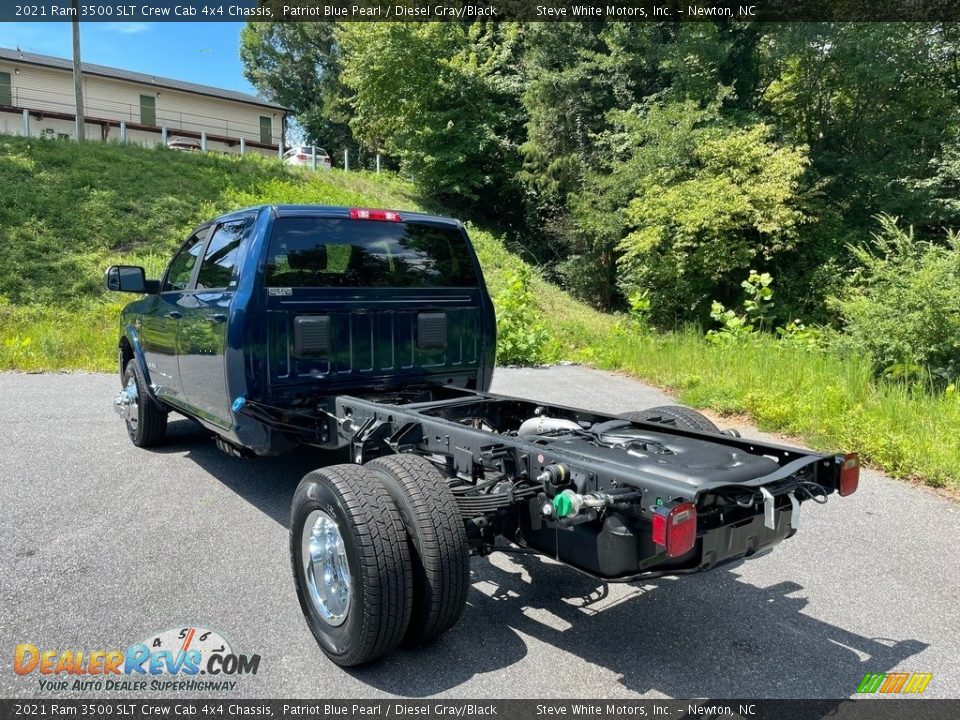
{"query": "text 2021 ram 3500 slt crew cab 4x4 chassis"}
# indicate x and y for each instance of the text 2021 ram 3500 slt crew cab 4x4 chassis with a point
(372, 330)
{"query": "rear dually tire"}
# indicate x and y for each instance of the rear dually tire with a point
(351, 563)
(439, 550)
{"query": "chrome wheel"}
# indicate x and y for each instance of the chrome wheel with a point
(326, 568)
(127, 403)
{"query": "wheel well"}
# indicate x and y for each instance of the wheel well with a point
(126, 353)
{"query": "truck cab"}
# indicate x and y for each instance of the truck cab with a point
(283, 306)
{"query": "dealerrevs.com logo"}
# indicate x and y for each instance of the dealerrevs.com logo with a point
(180, 659)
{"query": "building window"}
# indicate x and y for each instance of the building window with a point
(148, 110)
(266, 130)
(6, 95)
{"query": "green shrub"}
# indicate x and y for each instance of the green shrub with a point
(757, 316)
(640, 308)
(521, 336)
(756, 311)
(902, 307)
(707, 202)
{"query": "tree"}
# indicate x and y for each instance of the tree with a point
(578, 75)
(944, 187)
(872, 101)
(297, 64)
(670, 157)
(444, 99)
(690, 202)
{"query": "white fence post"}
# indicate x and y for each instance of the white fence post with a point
(378, 163)
(123, 131)
(243, 145)
(26, 123)
(163, 136)
(313, 157)
(203, 140)
(346, 159)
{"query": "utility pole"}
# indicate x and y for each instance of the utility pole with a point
(77, 73)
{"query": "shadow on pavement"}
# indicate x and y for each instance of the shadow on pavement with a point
(710, 635)
(267, 483)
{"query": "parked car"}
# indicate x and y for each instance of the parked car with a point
(284, 327)
(184, 144)
(301, 155)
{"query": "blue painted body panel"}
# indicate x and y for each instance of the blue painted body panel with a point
(202, 349)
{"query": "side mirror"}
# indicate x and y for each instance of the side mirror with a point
(125, 278)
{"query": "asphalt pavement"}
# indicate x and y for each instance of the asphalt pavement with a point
(104, 544)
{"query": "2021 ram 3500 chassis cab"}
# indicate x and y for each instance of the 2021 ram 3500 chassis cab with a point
(276, 327)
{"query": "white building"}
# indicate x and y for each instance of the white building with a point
(37, 96)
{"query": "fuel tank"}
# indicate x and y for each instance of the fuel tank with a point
(690, 461)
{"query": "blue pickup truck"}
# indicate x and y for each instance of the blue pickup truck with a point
(372, 332)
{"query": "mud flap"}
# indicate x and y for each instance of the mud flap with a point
(794, 511)
(769, 509)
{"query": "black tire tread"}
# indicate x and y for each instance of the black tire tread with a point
(676, 415)
(442, 566)
(152, 426)
(384, 560)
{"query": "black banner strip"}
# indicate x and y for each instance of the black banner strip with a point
(888, 708)
(483, 10)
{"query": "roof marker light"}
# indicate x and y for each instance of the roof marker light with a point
(368, 214)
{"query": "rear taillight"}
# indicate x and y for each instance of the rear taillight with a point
(365, 214)
(849, 475)
(301, 156)
(675, 529)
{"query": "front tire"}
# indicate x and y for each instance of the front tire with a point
(351, 563)
(147, 420)
(439, 548)
(675, 416)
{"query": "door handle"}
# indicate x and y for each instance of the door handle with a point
(216, 318)
(174, 315)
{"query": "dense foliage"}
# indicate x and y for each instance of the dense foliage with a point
(696, 204)
(521, 335)
(298, 65)
(903, 306)
(444, 99)
(665, 159)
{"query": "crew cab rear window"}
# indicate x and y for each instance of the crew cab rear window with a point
(220, 260)
(332, 252)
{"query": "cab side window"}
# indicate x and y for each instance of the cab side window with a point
(220, 260)
(183, 263)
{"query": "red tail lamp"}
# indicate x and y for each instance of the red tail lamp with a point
(849, 475)
(675, 529)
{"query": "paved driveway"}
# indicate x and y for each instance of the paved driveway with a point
(104, 545)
